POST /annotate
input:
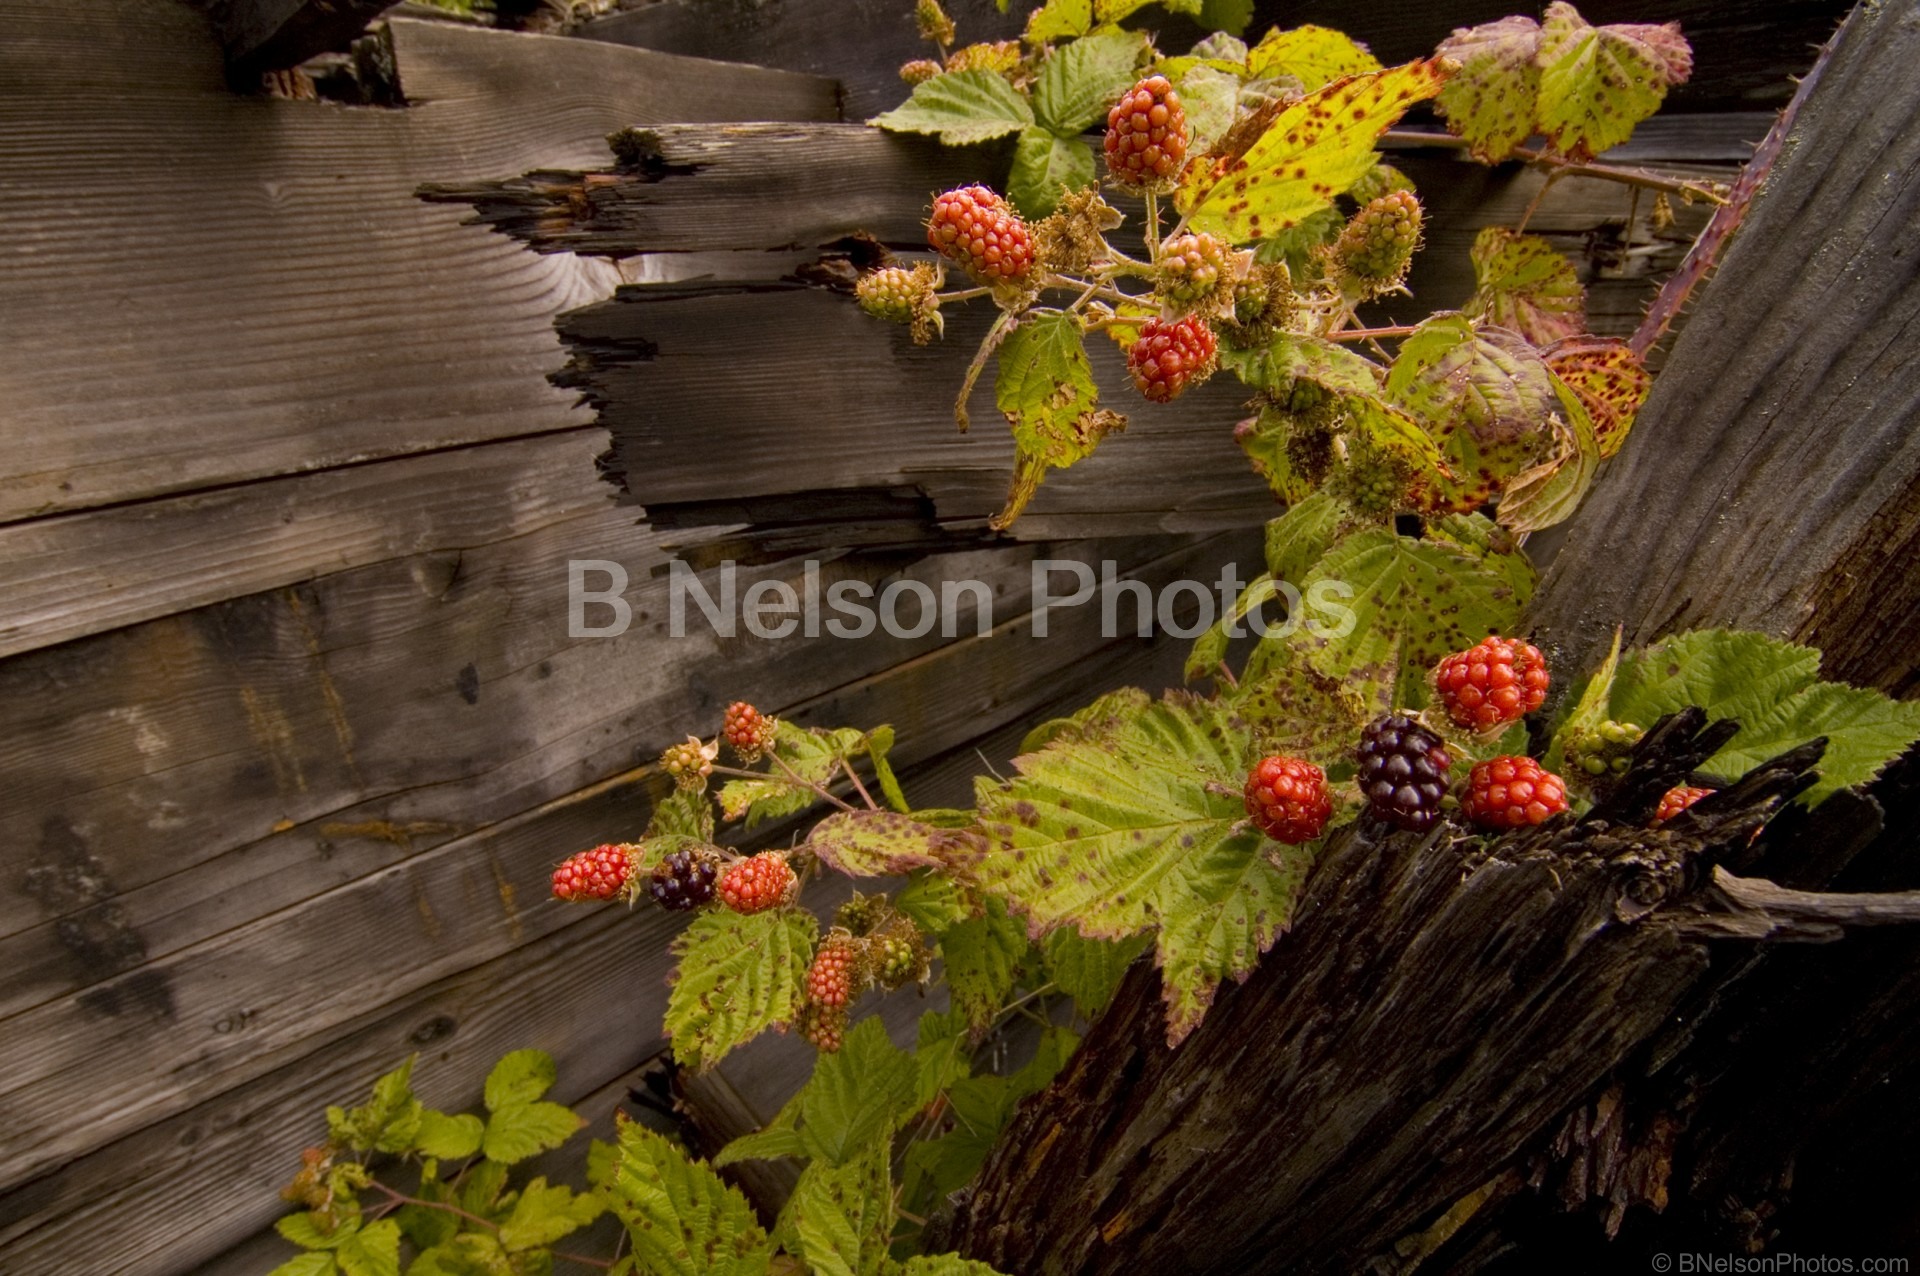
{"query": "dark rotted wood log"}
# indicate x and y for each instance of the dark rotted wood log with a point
(1437, 1007)
(271, 35)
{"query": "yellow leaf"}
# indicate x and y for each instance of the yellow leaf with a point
(1315, 56)
(1312, 150)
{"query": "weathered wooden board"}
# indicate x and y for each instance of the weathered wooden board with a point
(205, 288)
(212, 1015)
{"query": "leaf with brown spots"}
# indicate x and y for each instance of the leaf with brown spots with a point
(1551, 491)
(1312, 150)
(1610, 379)
(1596, 83)
(1491, 98)
(1312, 55)
(1045, 388)
(887, 844)
(1124, 836)
(1527, 285)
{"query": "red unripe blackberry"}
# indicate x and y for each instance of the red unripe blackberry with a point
(600, 873)
(1147, 135)
(1403, 771)
(1497, 681)
(758, 883)
(1191, 267)
(1511, 793)
(831, 978)
(1288, 799)
(682, 880)
(1381, 239)
(1676, 800)
(1171, 355)
(975, 228)
(749, 731)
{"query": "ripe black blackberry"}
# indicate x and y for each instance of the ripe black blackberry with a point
(682, 880)
(1403, 771)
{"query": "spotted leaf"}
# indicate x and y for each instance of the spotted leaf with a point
(1596, 83)
(1308, 152)
(1527, 285)
(1609, 379)
(1490, 99)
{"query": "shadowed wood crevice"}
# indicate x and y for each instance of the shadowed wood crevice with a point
(272, 35)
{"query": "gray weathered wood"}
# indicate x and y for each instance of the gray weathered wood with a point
(216, 288)
(1781, 440)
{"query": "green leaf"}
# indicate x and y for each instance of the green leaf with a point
(543, 1214)
(982, 957)
(1210, 96)
(1089, 970)
(879, 743)
(739, 975)
(520, 1078)
(1081, 80)
(942, 1054)
(1550, 492)
(770, 1144)
(962, 107)
(888, 844)
(1313, 150)
(1291, 707)
(307, 1229)
(1486, 398)
(812, 755)
(842, 1216)
(1045, 388)
(1298, 247)
(1044, 167)
(1210, 648)
(1266, 440)
(480, 1191)
(1610, 380)
(1589, 711)
(1527, 285)
(682, 813)
(1230, 16)
(387, 1122)
(1096, 720)
(314, 1264)
(953, 1264)
(373, 1251)
(1493, 545)
(1315, 56)
(1413, 602)
(931, 900)
(1491, 100)
(1055, 1047)
(1355, 383)
(1771, 688)
(864, 1092)
(450, 1138)
(681, 1218)
(521, 1130)
(1123, 835)
(1596, 83)
(1059, 19)
(1296, 540)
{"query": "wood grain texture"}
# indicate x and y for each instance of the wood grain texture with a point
(1781, 444)
(208, 288)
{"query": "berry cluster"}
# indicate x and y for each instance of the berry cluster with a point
(749, 731)
(682, 880)
(1676, 800)
(1378, 244)
(1192, 267)
(1287, 799)
(689, 763)
(822, 1026)
(977, 230)
(1493, 683)
(1170, 355)
(757, 883)
(1147, 135)
(600, 873)
(1601, 753)
(831, 978)
(1403, 771)
(1511, 793)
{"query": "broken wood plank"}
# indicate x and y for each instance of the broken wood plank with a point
(307, 311)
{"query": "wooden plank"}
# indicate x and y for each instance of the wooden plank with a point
(132, 1196)
(652, 358)
(270, 35)
(308, 310)
(77, 574)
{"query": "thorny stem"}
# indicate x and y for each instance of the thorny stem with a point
(964, 294)
(1647, 179)
(1371, 334)
(397, 1198)
(858, 787)
(1153, 227)
(995, 335)
(1226, 676)
(799, 781)
(1539, 195)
